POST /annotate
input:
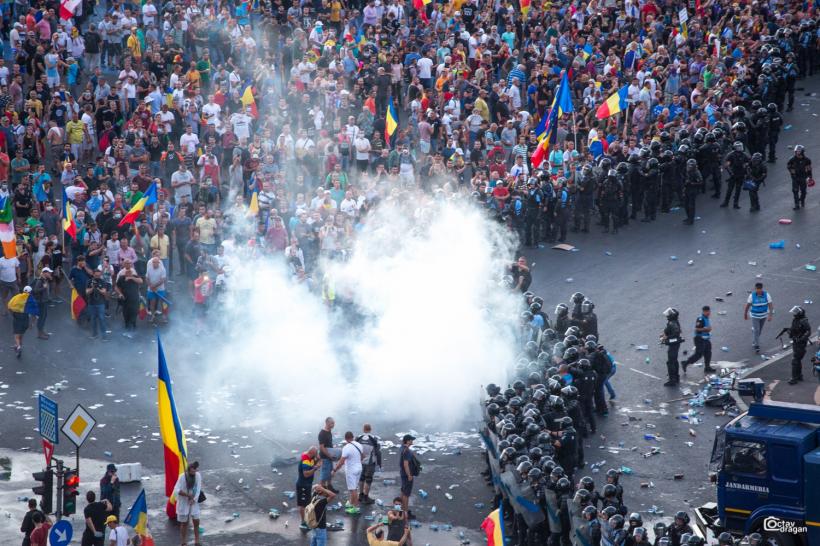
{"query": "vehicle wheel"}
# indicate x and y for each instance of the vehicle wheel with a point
(772, 538)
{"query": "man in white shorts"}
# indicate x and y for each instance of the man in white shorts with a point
(351, 458)
(187, 490)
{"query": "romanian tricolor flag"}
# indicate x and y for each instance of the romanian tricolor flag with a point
(525, 6)
(543, 148)
(248, 101)
(137, 517)
(391, 122)
(77, 304)
(24, 303)
(7, 235)
(614, 104)
(170, 429)
(147, 199)
(493, 526)
(69, 225)
(421, 7)
(253, 208)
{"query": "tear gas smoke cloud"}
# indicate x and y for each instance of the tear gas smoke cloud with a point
(435, 324)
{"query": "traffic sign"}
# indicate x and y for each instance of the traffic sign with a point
(48, 420)
(78, 425)
(48, 450)
(61, 533)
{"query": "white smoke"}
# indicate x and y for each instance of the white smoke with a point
(436, 327)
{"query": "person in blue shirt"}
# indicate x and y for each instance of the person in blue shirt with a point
(703, 341)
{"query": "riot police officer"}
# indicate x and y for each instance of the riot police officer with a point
(610, 195)
(652, 183)
(790, 73)
(737, 164)
(586, 194)
(669, 179)
(534, 203)
(563, 210)
(589, 320)
(678, 528)
(692, 184)
(800, 170)
(775, 124)
(800, 333)
(586, 393)
(708, 157)
(561, 318)
(635, 184)
(757, 176)
(623, 181)
(671, 337)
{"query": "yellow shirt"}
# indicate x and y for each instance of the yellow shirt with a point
(335, 12)
(207, 227)
(161, 245)
(75, 131)
(373, 541)
(134, 45)
(480, 107)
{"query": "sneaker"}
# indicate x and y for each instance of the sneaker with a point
(352, 511)
(670, 383)
(792, 381)
(304, 527)
(757, 348)
(19, 351)
(709, 369)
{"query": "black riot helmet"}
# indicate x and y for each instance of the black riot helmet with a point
(536, 453)
(609, 491)
(509, 392)
(532, 430)
(683, 516)
(622, 168)
(671, 313)
(612, 476)
(547, 465)
(524, 467)
(519, 386)
(583, 497)
(694, 540)
(577, 297)
(798, 312)
(633, 158)
(772, 108)
(508, 454)
(493, 389)
(515, 402)
(526, 316)
(640, 534)
(571, 341)
(549, 334)
(543, 438)
(635, 519)
(587, 483)
(535, 474)
(683, 149)
(539, 395)
(643, 153)
(586, 170)
(585, 364)
(612, 173)
(561, 310)
(655, 146)
(493, 409)
(535, 308)
(692, 164)
(616, 521)
(544, 358)
(539, 300)
(571, 354)
(667, 155)
(609, 511)
(534, 378)
(757, 158)
(563, 485)
(665, 136)
(590, 513)
(556, 403)
(737, 146)
(799, 149)
(557, 472)
(604, 165)
(570, 392)
(755, 539)
(519, 443)
(573, 331)
(710, 137)
(725, 539)
(587, 306)
(558, 349)
(652, 163)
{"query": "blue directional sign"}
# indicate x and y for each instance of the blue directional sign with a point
(48, 420)
(61, 533)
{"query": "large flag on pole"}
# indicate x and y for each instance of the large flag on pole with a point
(614, 104)
(67, 8)
(562, 101)
(493, 526)
(248, 101)
(69, 225)
(170, 429)
(147, 199)
(391, 122)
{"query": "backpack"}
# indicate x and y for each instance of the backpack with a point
(415, 465)
(310, 512)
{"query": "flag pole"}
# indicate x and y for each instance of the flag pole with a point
(575, 130)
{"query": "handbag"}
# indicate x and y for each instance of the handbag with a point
(202, 498)
(810, 182)
(749, 185)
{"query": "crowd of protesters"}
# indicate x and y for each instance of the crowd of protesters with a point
(271, 125)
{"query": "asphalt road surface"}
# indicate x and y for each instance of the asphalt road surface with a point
(631, 277)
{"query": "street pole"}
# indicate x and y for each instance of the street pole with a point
(59, 475)
(78, 461)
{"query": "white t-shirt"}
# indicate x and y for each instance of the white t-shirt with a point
(8, 269)
(189, 142)
(241, 125)
(352, 453)
(119, 535)
(155, 274)
(425, 64)
(211, 111)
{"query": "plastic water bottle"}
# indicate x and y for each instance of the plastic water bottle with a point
(422, 493)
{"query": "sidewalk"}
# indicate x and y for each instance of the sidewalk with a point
(776, 373)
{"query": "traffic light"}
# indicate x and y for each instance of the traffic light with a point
(45, 489)
(71, 488)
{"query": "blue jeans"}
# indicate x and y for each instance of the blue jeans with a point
(608, 385)
(96, 314)
(326, 470)
(319, 537)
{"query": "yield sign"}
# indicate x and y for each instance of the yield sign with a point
(48, 449)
